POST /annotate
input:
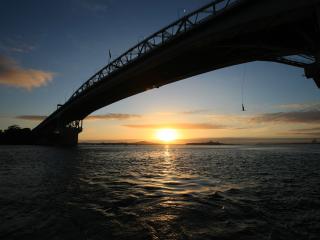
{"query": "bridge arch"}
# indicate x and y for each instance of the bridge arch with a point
(220, 34)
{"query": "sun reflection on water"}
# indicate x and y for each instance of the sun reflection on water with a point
(166, 151)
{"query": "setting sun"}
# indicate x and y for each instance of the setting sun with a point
(167, 134)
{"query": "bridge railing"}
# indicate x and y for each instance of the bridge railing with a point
(157, 39)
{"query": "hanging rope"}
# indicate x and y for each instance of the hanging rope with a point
(109, 56)
(244, 73)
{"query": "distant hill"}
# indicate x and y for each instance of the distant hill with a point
(206, 143)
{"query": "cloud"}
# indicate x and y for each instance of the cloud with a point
(15, 45)
(312, 116)
(31, 117)
(21, 49)
(300, 106)
(314, 131)
(11, 74)
(95, 5)
(113, 116)
(308, 129)
(193, 112)
(311, 134)
(109, 116)
(179, 126)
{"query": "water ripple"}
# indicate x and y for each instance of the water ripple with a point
(155, 192)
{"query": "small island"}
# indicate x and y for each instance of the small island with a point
(207, 143)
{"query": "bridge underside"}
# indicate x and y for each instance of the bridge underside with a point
(254, 31)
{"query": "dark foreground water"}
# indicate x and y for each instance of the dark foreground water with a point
(158, 192)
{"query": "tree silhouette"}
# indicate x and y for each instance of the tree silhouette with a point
(14, 134)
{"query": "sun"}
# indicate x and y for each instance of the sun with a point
(166, 134)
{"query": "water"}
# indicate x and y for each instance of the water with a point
(159, 192)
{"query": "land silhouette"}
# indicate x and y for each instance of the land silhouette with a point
(15, 135)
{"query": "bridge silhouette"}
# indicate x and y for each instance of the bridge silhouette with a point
(221, 34)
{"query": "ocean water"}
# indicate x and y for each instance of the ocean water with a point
(160, 192)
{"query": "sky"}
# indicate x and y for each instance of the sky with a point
(49, 48)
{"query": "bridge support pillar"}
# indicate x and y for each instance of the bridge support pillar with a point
(68, 135)
(313, 71)
(63, 136)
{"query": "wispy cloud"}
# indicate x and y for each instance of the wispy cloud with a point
(314, 131)
(178, 126)
(194, 112)
(300, 106)
(11, 74)
(15, 45)
(109, 116)
(113, 116)
(95, 5)
(31, 117)
(312, 116)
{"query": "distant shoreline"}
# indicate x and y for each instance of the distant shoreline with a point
(191, 144)
(144, 143)
(209, 143)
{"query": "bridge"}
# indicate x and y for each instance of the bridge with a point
(221, 34)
